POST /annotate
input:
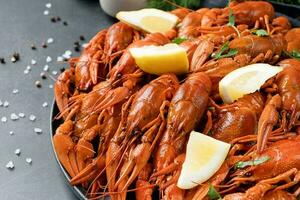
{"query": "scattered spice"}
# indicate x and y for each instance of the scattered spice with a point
(33, 62)
(62, 69)
(33, 47)
(4, 119)
(18, 152)
(43, 75)
(15, 57)
(2, 61)
(14, 116)
(45, 104)
(38, 84)
(46, 12)
(50, 40)
(81, 38)
(44, 45)
(65, 23)
(38, 130)
(53, 19)
(28, 160)
(32, 118)
(10, 165)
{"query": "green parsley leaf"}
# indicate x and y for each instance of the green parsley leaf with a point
(224, 48)
(260, 32)
(171, 4)
(231, 18)
(211, 108)
(293, 54)
(213, 194)
(255, 162)
(178, 40)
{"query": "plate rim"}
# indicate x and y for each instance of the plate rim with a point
(75, 189)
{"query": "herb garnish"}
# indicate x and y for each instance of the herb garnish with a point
(224, 48)
(178, 40)
(172, 4)
(293, 54)
(213, 194)
(255, 162)
(231, 22)
(260, 32)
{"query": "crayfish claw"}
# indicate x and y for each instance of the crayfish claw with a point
(267, 120)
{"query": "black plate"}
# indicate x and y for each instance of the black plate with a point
(294, 16)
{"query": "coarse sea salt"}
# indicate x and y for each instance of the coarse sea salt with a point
(38, 130)
(48, 5)
(32, 117)
(22, 115)
(6, 104)
(28, 160)
(48, 59)
(17, 152)
(15, 91)
(14, 116)
(4, 119)
(50, 40)
(10, 165)
(46, 12)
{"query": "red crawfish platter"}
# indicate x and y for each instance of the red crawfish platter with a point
(186, 104)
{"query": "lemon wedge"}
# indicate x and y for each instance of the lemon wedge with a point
(245, 80)
(149, 19)
(161, 59)
(204, 156)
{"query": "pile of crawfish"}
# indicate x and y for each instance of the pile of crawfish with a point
(126, 131)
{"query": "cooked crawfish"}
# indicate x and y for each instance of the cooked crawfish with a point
(186, 110)
(247, 12)
(142, 116)
(63, 91)
(292, 38)
(239, 118)
(283, 156)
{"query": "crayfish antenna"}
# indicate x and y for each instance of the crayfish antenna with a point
(90, 172)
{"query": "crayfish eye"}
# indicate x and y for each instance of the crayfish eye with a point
(119, 75)
(248, 174)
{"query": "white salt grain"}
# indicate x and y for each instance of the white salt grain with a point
(14, 116)
(4, 119)
(54, 72)
(10, 165)
(17, 152)
(29, 160)
(50, 40)
(45, 104)
(22, 115)
(60, 59)
(15, 91)
(48, 59)
(11, 132)
(33, 62)
(46, 68)
(32, 117)
(46, 12)
(48, 5)
(38, 130)
(50, 86)
(6, 104)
